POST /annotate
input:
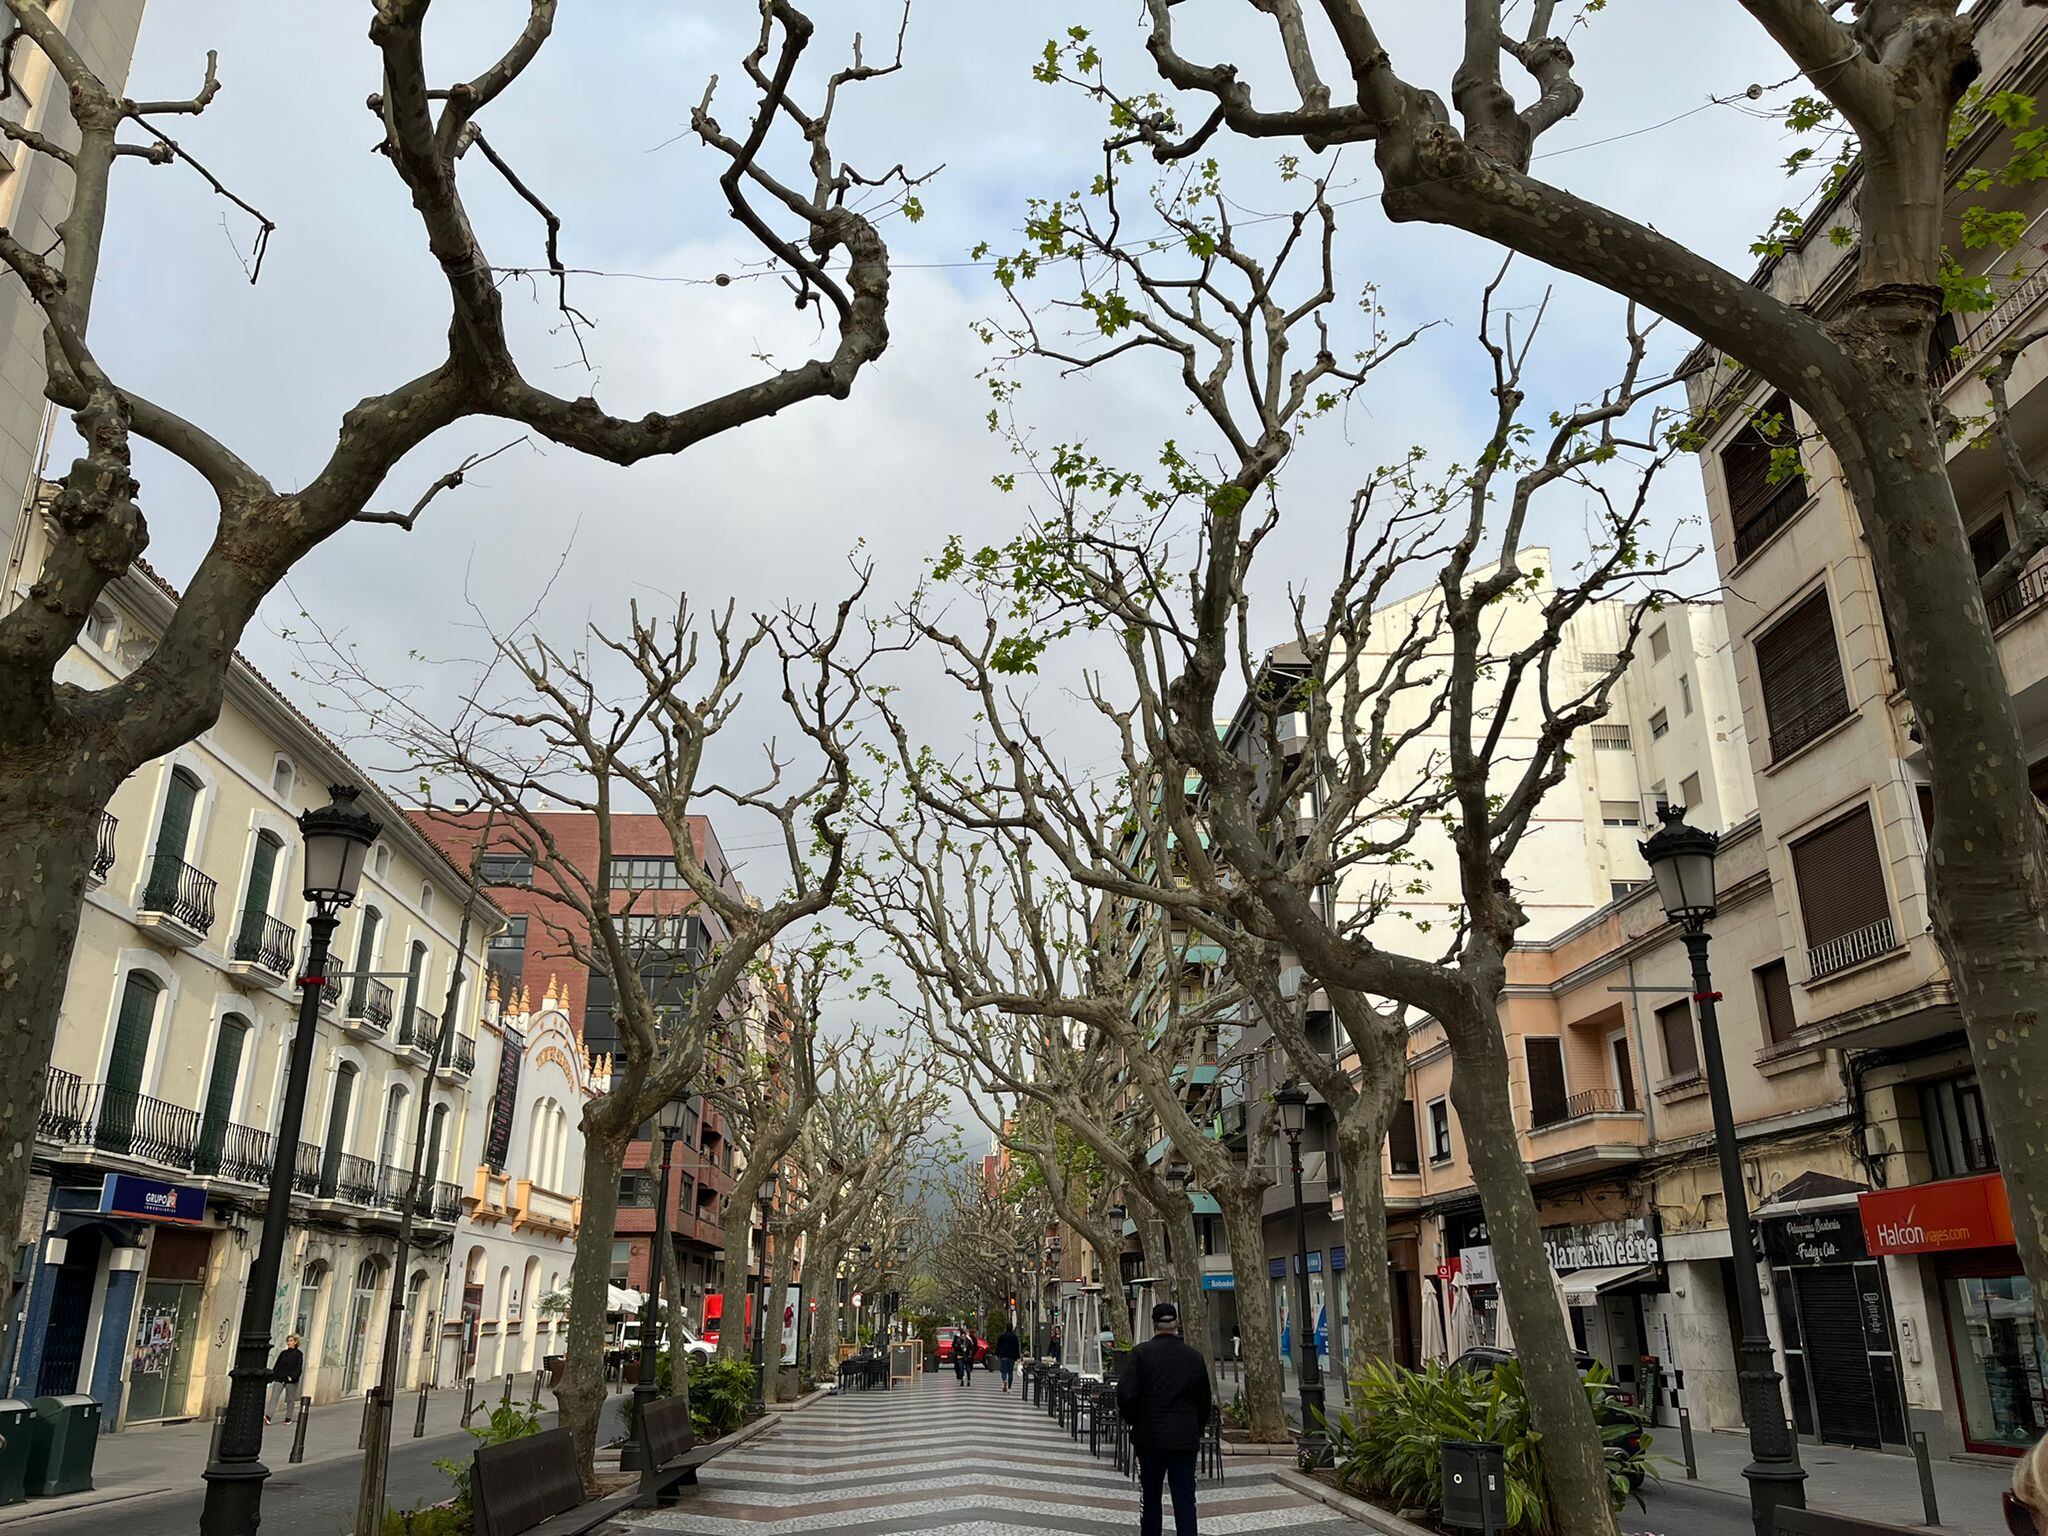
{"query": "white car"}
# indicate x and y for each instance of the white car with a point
(696, 1348)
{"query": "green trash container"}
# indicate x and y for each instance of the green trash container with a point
(66, 1434)
(17, 1430)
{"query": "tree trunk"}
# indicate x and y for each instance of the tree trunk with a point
(737, 1222)
(822, 1283)
(1368, 1293)
(1574, 1464)
(774, 1285)
(1989, 858)
(1184, 1261)
(1265, 1404)
(46, 847)
(580, 1395)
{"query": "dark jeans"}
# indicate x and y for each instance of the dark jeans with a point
(1177, 1470)
(1009, 1370)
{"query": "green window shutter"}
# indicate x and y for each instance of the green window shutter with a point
(220, 1092)
(176, 826)
(125, 1063)
(366, 946)
(337, 1125)
(256, 906)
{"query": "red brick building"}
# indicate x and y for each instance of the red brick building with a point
(536, 954)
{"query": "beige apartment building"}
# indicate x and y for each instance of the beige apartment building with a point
(161, 1098)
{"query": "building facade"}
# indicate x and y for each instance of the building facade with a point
(161, 1097)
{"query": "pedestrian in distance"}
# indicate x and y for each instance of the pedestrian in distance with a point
(286, 1371)
(1008, 1348)
(963, 1355)
(1163, 1394)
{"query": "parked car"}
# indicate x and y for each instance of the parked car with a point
(1613, 1404)
(947, 1339)
(699, 1349)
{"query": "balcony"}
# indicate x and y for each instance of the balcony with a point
(306, 1169)
(117, 1122)
(1584, 1130)
(177, 901)
(102, 854)
(240, 1153)
(460, 1060)
(349, 1178)
(542, 1210)
(420, 1033)
(2015, 298)
(2009, 600)
(330, 995)
(1852, 948)
(369, 1008)
(264, 947)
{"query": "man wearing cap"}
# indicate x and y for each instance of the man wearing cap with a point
(1163, 1393)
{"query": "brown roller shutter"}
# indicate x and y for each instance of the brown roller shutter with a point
(1774, 1000)
(1545, 1057)
(1800, 673)
(1757, 505)
(1681, 1045)
(1401, 1151)
(1841, 879)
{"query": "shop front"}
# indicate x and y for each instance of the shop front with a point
(1841, 1357)
(1471, 1293)
(1606, 1270)
(1997, 1362)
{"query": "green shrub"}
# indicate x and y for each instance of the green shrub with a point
(928, 1336)
(721, 1392)
(429, 1520)
(1393, 1445)
(509, 1421)
(664, 1386)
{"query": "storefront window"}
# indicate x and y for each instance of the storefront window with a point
(2000, 1362)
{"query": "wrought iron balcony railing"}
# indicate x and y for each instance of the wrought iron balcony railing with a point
(267, 944)
(178, 891)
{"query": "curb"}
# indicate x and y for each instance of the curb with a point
(73, 1503)
(805, 1401)
(1370, 1515)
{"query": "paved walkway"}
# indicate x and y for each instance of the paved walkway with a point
(944, 1458)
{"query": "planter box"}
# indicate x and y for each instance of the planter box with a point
(1369, 1515)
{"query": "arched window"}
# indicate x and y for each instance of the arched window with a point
(228, 1051)
(473, 1270)
(415, 973)
(99, 627)
(308, 1311)
(392, 1147)
(165, 880)
(249, 937)
(559, 1179)
(427, 898)
(126, 1061)
(382, 860)
(282, 778)
(366, 959)
(340, 1108)
(504, 1313)
(434, 1129)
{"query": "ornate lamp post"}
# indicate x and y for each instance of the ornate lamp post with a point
(668, 1125)
(1290, 1100)
(337, 838)
(1682, 859)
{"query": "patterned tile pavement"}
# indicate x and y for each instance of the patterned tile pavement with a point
(950, 1460)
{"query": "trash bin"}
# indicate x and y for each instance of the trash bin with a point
(17, 1430)
(66, 1433)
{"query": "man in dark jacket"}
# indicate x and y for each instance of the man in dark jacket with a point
(1163, 1392)
(285, 1372)
(1007, 1351)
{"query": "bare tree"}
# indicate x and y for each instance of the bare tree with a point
(65, 749)
(1257, 832)
(1858, 362)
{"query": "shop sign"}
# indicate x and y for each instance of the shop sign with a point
(1937, 1218)
(123, 1194)
(1601, 1245)
(1315, 1262)
(1219, 1282)
(1477, 1265)
(1815, 1237)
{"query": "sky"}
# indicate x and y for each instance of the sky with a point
(348, 304)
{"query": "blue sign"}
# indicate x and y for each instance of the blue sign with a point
(1219, 1282)
(1315, 1263)
(1323, 1332)
(151, 1200)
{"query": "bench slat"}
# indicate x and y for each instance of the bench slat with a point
(524, 1483)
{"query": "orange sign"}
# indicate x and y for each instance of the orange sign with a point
(1938, 1217)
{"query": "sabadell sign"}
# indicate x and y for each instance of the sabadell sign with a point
(1601, 1245)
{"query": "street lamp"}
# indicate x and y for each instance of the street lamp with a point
(668, 1125)
(337, 837)
(1290, 1100)
(1682, 859)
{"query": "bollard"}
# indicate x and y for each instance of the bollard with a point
(419, 1422)
(1926, 1466)
(468, 1399)
(506, 1400)
(535, 1401)
(299, 1430)
(1692, 1470)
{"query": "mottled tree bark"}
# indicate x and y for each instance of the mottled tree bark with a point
(1265, 1404)
(580, 1394)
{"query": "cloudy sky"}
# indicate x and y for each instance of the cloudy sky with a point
(349, 302)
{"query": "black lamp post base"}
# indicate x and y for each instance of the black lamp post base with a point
(234, 1497)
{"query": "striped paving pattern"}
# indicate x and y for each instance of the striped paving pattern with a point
(951, 1461)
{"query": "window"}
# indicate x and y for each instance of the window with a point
(1401, 1156)
(1439, 1130)
(636, 1189)
(1681, 1045)
(1544, 1057)
(366, 961)
(1762, 496)
(99, 628)
(1685, 693)
(1958, 1135)
(505, 869)
(1774, 1001)
(1624, 1072)
(282, 777)
(340, 1108)
(127, 1060)
(426, 898)
(1620, 813)
(1989, 544)
(391, 1148)
(506, 957)
(220, 1092)
(1610, 738)
(1689, 791)
(1800, 675)
(1616, 889)
(1657, 798)
(1660, 643)
(174, 832)
(622, 1262)
(256, 901)
(383, 860)
(1842, 899)
(641, 873)
(1660, 724)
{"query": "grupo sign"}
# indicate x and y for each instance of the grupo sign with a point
(1601, 1245)
(1937, 1218)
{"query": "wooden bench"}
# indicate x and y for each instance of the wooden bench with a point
(529, 1487)
(677, 1455)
